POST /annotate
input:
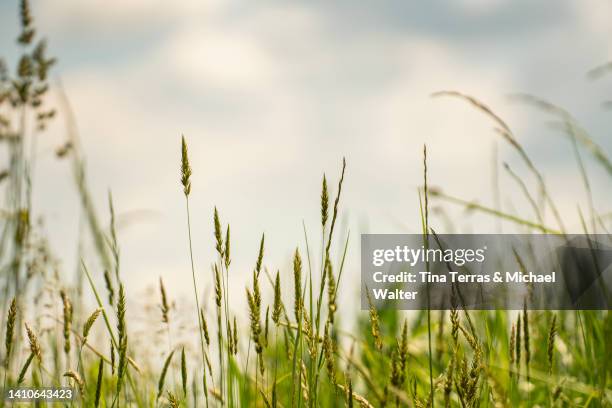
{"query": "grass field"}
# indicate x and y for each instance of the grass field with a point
(294, 352)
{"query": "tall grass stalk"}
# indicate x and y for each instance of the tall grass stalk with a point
(424, 205)
(186, 182)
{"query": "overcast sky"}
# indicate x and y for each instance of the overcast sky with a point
(270, 95)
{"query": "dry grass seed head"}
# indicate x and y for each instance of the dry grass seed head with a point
(90, 322)
(218, 237)
(67, 311)
(454, 316)
(331, 291)
(77, 379)
(172, 400)
(255, 323)
(34, 344)
(374, 322)
(185, 168)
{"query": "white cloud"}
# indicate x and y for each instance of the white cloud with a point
(117, 18)
(596, 18)
(217, 58)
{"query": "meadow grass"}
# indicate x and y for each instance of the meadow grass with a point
(296, 350)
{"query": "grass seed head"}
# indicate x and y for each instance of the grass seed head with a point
(454, 316)
(218, 237)
(34, 344)
(67, 309)
(256, 291)
(122, 338)
(25, 16)
(121, 325)
(552, 333)
(278, 305)
(403, 350)
(185, 168)
(90, 322)
(226, 254)
(328, 350)
(260, 255)
(297, 282)
(331, 291)
(374, 322)
(218, 292)
(173, 400)
(10, 329)
(205, 327)
(77, 379)
(109, 287)
(324, 202)
(165, 307)
(254, 314)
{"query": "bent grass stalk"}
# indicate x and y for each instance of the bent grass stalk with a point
(506, 133)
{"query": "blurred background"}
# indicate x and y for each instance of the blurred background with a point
(272, 95)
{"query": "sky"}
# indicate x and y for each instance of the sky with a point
(272, 95)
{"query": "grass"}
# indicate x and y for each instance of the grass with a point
(295, 351)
